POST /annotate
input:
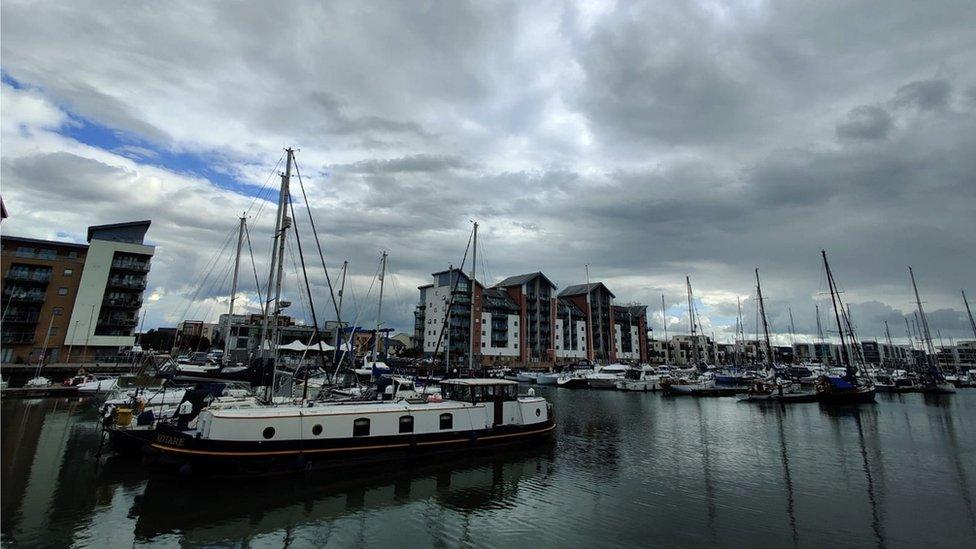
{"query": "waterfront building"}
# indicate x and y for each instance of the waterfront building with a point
(596, 302)
(521, 321)
(69, 302)
(962, 354)
(534, 294)
(630, 332)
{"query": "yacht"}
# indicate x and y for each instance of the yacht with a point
(606, 377)
(645, 379)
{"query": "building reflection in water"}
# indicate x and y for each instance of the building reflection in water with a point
(787, 476)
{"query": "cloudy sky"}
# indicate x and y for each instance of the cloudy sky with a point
(649, 140)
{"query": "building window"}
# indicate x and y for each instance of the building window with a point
(516, 345)
(447, 421)
(69, 272)
(360, 427)
(53, 331)
(406, 424)
(57, 311)
(62, 291)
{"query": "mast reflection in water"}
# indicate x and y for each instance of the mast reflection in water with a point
(626, 469)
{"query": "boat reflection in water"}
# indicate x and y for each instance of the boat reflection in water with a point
(216, 510)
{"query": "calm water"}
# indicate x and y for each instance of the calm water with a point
(625, 470)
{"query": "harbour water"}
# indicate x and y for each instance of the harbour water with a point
(624, 469)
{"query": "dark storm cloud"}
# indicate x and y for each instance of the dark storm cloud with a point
(866, 122)
(648, 140)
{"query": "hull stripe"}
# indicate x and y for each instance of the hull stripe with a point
(166, 448)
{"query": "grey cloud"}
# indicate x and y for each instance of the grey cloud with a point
(866, 122)
(924, 95)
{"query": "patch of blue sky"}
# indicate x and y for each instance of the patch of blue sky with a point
(210, 166)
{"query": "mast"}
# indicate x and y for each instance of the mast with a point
(820, 338)
(589, 315)
(667, 343)
(845, 356)
(972, 323)
(379, 308)
(342, 290)
(277, 253)
(765, 325)
(471, 324)
(792, 332)
(691, 317)
(739, 332)
(891, 346)
(450, 305)
(926, 333)
(233, 290)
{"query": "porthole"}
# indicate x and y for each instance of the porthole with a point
(269, 432)
(538, 412)
(317, 430)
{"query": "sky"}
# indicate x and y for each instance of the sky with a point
(649, 141)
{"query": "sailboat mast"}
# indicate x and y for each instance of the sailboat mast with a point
(342, 290)
(765, 324)
(792, 332)
(845, 356)
(691, 317)
(589, 315)
(820, 336)
(891, 345)
(924, 324)
(233, 290)
(739, 332)
(282, 222)
(379, 308)
(972, 323)
(664, 320)
(472, 323)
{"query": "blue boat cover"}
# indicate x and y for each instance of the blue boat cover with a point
(840, 383)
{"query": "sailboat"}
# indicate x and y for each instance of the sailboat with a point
(933, 381)
(774, 388)
(696, 384)
(272, 435)
(850, 388)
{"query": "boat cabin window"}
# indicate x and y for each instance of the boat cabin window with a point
(478, 393)
(360, 427)
(317, 430)
(447, 421)
(406, 424)
(269, 432)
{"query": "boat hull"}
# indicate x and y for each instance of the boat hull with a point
(573, 383)
(602, 382)
(860, 395)
(176, 448)
(547, 379)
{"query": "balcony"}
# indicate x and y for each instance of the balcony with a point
(116, 320)
(128, 283)
(21, 318)
(17, 338)
(29, 276)
(14, 293)
(130, 265)
(122, 303)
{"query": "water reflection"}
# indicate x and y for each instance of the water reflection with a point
(787, 478)
(962, 479)
(216, 510)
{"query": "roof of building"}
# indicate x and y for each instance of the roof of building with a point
(565, 303)
(579, 289)
(48, 242)
(496, 297)
(126, 225)
(632, 309)
(518, 280)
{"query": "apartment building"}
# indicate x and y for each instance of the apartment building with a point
(596, 302)
(69, 302)
(630, 332)
(571, 332)
(535, 296)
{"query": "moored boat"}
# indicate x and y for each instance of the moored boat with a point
(473, 413)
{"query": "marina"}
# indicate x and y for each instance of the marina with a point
(641, 469)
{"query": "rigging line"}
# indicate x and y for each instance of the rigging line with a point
(318, 244)
(450, 304)
(298, 280)
(308, 287)
(211, 264)
(257, 283)
(263, 187)
(347, 346)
